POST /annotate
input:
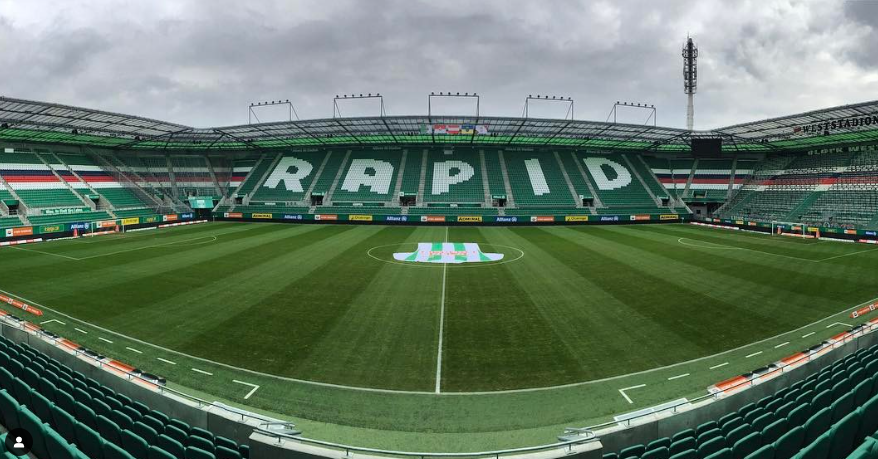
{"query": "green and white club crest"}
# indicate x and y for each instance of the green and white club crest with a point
(448, 252)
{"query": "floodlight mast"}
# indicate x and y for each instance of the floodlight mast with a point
(252, 114)
(565, 100)
(336, 110)
(465, 95)
(690, 79)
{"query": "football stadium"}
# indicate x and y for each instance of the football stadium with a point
(438, 286)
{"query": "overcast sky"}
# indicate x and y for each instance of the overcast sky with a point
(201, 63)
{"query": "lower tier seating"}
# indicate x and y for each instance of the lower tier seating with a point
(71, 416)
(824, 416)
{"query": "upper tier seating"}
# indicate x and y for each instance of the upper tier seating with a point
(9, 222)
(288, 179)
(824, 416)
(108, 187)
(192, 176)
(616, 185)
(536, 180)
(34, 182)
(72, 417)
(369, 176)
(411, 176)
(454, 176)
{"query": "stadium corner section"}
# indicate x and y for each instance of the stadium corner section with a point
(38, 233)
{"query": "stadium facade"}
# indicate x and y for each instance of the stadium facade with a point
(66, 166)
(67, 170)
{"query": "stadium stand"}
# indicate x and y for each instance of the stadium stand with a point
(8, 222)
(71, 416)
(537, 180)
(240, 169)
(369, 176)
(617, 187)
(98, 179)
(411, 176)
(454, 176)
(673, 174)
(34, 181)
(647, 176)
(69, 218)
(569, 163)
(711, 180)
(826, 415)
(192, 176)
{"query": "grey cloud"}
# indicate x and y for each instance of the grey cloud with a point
(203, 63)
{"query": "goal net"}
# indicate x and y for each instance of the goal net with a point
(794, 229)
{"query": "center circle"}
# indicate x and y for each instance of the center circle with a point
(385, 253)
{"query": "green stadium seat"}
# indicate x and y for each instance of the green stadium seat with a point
(862, 392)
(784, 410)
(196, 453)
(724, 453)
(42, 407)
(145, 432)
(101, 408)
(113, 451)
(683, 434)
(180, 425)
(610, 456)
(731, 425)
(765, 452)
(841, 407)
(869, 422)
(199, 432)
(157, 453)
(821, 400)
(8, 410)
(87, 415)
(737, 434)
(709, 425)
(710, 447)
(843, 435)
(799, 415)
(773, 431)
(156, 424)
(64, 423)
(632, 451)
(817, 424)
(207, 445)
(176, 434)
(228, 453)
(140, 407)
(160, 416)
(131, 412)
(176, 448)
(747, 409)
(245, 451)
(109, 430)
(681, 445)
(113, 403)
(687, 454)
(747, 445)
(136, 446)
(660, 452)
(31, 423)
(762, 421)
(57, 447)
(121, 419)
(709, 435)
(89, 441)
(231, 444)
(22, 391)
(866, 450)
(818, 449)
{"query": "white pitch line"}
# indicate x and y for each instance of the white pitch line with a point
(441, 324)
(134, 350)
(105, 340)
(52, 320)
(202, 372)
(678, 376)
(622, 391)
(718, 366)
(44, 253)
(254, 386)
(839, 323)
(80, 330)
(165, 360)
(781, 344)
(752, 355)
(808, 334)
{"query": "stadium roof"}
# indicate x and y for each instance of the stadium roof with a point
(30, 121)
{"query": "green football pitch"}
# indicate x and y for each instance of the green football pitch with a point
(321, 324)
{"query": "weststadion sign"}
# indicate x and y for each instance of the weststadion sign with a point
(841, 123)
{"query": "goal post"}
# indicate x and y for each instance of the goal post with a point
(792, 229)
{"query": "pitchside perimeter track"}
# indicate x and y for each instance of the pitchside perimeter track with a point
(322, 325)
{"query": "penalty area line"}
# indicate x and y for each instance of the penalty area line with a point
(622, 391)
(254, 387)
(202, 372)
